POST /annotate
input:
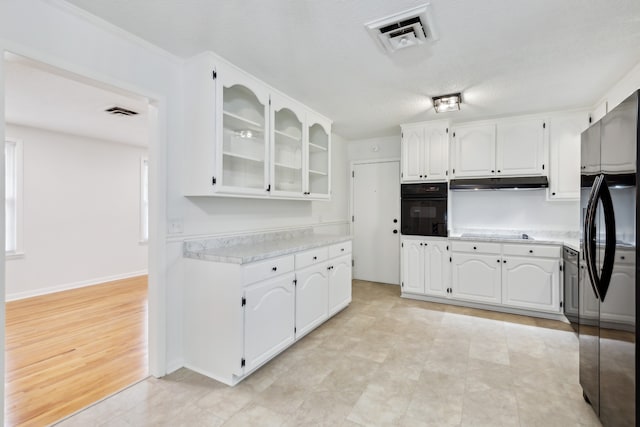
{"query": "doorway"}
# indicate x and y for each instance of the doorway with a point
(375, 209)
(77, 240)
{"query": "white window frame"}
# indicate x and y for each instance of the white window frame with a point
(144, 200)
(18, 167)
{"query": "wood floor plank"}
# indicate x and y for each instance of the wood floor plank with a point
(66, 350)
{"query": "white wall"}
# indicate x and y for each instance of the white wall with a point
(53, 32)
(374, 148)
(81, 216)
(512, 210)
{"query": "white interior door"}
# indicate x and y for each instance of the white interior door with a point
(376, 237)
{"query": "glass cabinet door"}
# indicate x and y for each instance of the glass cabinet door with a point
(244, 138)
(286, 150)
(318, 161)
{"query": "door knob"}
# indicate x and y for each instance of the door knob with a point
(395, 220)
(395, 231)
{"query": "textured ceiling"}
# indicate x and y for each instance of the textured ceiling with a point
(39, 96)
(506, 56)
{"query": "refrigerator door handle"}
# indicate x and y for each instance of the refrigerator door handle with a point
(610, 239)
(590, 234)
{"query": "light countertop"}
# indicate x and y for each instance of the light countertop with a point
(247, 249)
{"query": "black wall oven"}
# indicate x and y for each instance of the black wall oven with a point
(424, 209)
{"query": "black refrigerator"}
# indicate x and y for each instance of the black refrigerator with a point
(608, 279)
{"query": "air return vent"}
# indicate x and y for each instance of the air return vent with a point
(405, 29)
(120, 111)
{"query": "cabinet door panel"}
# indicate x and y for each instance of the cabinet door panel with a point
(476, 277)
(339, 284)
(437, 153)
(268, 319)
(412, 153)
(520, 148)
(564, 163)
(318, 157)
(312, 298)
(532, 283)
(287, 146)
(474, 151)
(412, 266)
(436, 269)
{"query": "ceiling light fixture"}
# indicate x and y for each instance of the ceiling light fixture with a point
(449, 102)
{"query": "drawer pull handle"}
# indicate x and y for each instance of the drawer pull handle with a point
(341, 249)
(474, 248)
(622, 257)
(530, 251)
(274, 268)
(315, 258)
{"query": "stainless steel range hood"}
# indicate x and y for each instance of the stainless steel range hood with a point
(514, 183)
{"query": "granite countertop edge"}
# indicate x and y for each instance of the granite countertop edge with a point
(533, 241)
(245, 254)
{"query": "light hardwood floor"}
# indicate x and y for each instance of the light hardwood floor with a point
(67, 350)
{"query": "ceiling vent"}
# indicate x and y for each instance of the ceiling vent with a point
(405, 29)
(120, 111)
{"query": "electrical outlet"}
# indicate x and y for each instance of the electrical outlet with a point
(175, 226)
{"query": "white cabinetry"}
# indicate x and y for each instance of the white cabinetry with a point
(531, 277)
(238, 316)
(474, 151)
(522, 276)
(425, 151)
(244, 138)
(503, 148)
(268, 319)
(476, 277)
(564, 162)
(425, 266)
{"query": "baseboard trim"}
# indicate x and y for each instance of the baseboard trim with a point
(174, 365)
(68, 286)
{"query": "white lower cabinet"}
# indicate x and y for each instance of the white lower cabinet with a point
(312, 297)
(476, 277)
(339, 284)
(532, 283)
(237, 317)
(425, 266)
(518, 276)
(268, 319)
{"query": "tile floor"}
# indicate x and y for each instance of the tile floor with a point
(383, 361)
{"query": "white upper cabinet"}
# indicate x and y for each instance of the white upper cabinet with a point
(564, 161)
(503, 148)
(318, 157)
(474, 151)
(287, 156)
(244, 138)
(425, 151)
(520, 147)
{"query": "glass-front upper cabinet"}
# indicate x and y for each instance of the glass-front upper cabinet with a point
(244, 135)
(318, 157)
(287, 147)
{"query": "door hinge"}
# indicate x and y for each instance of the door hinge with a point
(447, 247)
(544, 125)
(454, 134)
(401, 174)
(590, 119)
(244, 301)
(454, 170)
(269, 100)
(450, 259)
(213, 180)
(402, 245)
(446, 172)
(269, 187)
(214, 75)
(560, 304)
(295, 329)
(242, 362)
(402, 284)
(401, 134)
(353, 263)
(560, 267)
(295, 282)
(543, 166)
(353, 174)
(353, 218)
(447, 130)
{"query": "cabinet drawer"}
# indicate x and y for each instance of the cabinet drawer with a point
(263, 270)
(480, 247)
(532, 250)
(340, 249)
(314, 256)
